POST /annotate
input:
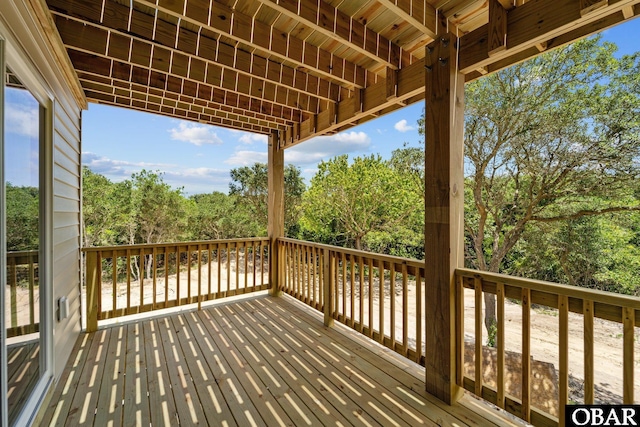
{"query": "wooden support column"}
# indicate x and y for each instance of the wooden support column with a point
(93, 285)
(444, 211)
(275, 229)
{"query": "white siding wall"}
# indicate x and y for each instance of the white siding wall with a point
(32, 39)
(66, 227)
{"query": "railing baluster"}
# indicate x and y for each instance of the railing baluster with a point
(199, 277)
(178, 268)
(361, 293)
(563, 349)
(405, 311)
(370, 297)
(344, 287)
(253, 264)
(381, 292)
(328, 267)
(141, 274)
(392, 308)
(459, 331)
(128, 264)
(13, 285)
(189, 290)
(418, 317)
(93, 274)
(628, 362)
(500, 338)
(526, 354)
(228, 289)
(588, 311)
(237, 263)
(246, 266)
(32, 283)
(477, 285)
(352, 291)
(114, 280)
(209, 272)
(166, 276)
(155, 275)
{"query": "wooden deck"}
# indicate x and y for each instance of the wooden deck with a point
(259, 361)
(22, 374)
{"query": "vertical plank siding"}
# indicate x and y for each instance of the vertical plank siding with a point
(141, 278)
(567, 300)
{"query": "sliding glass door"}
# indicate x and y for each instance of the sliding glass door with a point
(24, 313)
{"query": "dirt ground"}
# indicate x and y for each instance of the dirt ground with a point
(544, 333)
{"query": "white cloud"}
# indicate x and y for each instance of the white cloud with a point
(250, 138)
(21, 119)
(326, 147)
(247, 158)
(194, 180)
(402, 126)
(195, 134)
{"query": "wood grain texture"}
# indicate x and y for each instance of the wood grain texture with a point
(497, 27)
(444, 125)
(275, 227)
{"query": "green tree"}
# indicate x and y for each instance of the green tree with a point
(349, 202)
(219, 216)
(250, 185)
(551, 139)
(22, 217)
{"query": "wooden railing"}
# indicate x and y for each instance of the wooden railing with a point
(22, 283)
(126, 280)
(379, 296)
(558, 300)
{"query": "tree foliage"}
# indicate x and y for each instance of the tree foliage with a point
(349, 201)
(22, 217)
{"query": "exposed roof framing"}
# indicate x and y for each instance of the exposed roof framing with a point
(302, 67)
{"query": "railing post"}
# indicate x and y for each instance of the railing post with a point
(275, 228)
(328, 283)
(92, 284)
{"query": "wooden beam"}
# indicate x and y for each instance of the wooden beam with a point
(586, 30)
(331, 22)
(211, 60)
(275, 228)
(248, 30)
(497, 27)
(118, 70)
(532, 23)
(374, 101)
(419, 14)
(444, 207)
(588, 6)
(627, 12)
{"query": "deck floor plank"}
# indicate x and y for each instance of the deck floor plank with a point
(277, 373)
(162, 406)
(83, 406)
(258, 361)
(309, 368)
(247, 386)
(209, 393)
(136, 410)
(110, 392)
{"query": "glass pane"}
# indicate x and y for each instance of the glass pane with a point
(22, 192)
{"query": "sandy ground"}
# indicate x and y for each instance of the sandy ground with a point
(544, 333)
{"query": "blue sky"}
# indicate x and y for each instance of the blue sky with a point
(118, 142)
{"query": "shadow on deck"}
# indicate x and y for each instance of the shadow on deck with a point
(259, 361)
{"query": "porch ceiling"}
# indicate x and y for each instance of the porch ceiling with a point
(302, 67)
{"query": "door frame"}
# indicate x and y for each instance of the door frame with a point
(11, 55)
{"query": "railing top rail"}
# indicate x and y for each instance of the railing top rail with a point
(160, 245)
(22, 253)
(610, 298)
(389, 258)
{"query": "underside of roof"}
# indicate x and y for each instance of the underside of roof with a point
(301, 67)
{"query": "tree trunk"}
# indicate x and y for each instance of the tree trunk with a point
(359, 243)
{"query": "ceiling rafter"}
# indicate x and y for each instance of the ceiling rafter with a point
(420, 14)
(198, 47)
(330, 21)
(245, 29)
(179, 66)
(122, 88)
(129, 97)
(111, 68)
